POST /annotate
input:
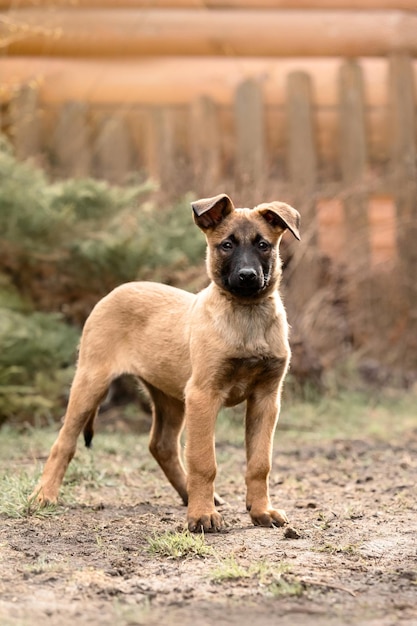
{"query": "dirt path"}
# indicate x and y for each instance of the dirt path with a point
(355, 561)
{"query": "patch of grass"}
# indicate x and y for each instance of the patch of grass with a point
(15, 500)
(333, 414)
(274, 579)
(84, 471)
(349, 414)
(179, 545)
(229, 569)
(26, 451)
(324, 521)
(27, 443)
(122, 448)
(284, 587)
(331, 548)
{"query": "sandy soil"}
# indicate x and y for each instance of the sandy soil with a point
(352, 559)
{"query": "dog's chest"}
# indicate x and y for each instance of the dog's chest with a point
(241, 376)
(252, 332)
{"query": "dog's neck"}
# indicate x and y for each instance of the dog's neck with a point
(248, 330)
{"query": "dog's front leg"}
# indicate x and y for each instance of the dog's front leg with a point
(261, 418)
(201, 408)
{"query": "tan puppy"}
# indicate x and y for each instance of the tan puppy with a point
(195, 354)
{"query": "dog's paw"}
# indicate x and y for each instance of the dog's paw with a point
(269, 518)
(208, 523)
(41, 498)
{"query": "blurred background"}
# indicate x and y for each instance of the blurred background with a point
(116, 113)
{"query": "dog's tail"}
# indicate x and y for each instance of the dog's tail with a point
(89, 431)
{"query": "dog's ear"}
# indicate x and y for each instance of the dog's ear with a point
(281, 215)
(209, 212)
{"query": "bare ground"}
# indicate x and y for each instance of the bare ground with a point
(350, 501)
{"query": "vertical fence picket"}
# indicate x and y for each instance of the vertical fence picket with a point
(250, 159)
(71, 144)
(302, 155)
(353, 155)
(353, 161)
(302, 173)
(113, 149)
(160, 145)
(205, 146)
(403, 169)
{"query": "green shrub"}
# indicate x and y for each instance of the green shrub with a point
(36, 365)
(38, 215)
(37, 341)
(90, 235)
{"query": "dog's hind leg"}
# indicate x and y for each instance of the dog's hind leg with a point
(164, 444)
(87, 392)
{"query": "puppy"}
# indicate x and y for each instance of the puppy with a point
(195, 354)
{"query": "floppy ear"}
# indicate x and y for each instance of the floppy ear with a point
(281, 215)
(209, 212)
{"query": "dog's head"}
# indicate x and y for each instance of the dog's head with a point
(243, 257)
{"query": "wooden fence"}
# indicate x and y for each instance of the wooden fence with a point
(349, 168)
(356, 151)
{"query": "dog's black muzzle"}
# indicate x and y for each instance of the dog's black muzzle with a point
(246, 282)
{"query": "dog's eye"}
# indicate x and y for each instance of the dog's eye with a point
(263, 245)
(226, 245)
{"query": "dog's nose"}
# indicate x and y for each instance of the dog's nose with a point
(247, 275)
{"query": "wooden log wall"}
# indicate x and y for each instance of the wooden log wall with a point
(125, 32)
